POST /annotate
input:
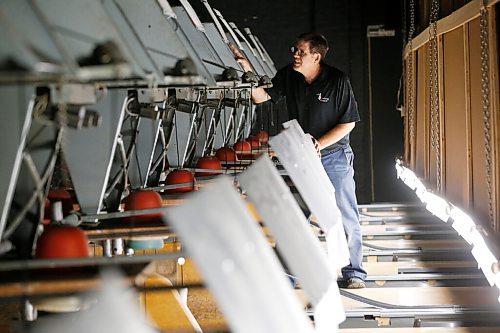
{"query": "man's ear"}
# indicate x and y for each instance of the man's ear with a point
(317, 57)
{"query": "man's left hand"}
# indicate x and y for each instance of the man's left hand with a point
(316, 145)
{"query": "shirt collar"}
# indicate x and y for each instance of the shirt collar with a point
(323, 74)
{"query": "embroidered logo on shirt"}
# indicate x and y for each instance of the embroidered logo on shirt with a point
(322, 99)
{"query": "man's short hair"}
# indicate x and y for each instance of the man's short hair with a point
(317, 42)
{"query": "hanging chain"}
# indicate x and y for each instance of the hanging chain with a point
(434, 89)
(485, 90)
(409, 72)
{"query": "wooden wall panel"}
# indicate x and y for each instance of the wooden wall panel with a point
(422, 114)
(456, 125)
(479, 186)
(463, 151)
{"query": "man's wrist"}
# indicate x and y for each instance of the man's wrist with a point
(245, 64)
(320, 144)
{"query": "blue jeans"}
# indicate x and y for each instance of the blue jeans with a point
(339, 167)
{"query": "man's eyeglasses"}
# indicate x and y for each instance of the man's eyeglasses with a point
(295, 49)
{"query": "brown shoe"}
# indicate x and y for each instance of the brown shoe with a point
(355, 283)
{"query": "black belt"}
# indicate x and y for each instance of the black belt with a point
(328, 152)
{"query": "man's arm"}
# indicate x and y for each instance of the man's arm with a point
(335, 134)
(259, 95)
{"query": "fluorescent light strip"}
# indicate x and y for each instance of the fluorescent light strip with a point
(461, 222)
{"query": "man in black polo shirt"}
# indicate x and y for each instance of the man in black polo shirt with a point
(320, 97)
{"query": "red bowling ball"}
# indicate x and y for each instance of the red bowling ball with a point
(243, 148)
(180, 176)
(226, 154)
(208, 162)
(143, 199)
(254, 142)
(62, 242)
(262, 136)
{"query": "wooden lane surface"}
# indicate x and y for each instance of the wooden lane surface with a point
(201, 301)
(33, 288)
(422, 330)
(125, 231)
(406, 296)
(165, 308)
(206, 311)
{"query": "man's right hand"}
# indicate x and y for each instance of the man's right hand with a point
(259, 95)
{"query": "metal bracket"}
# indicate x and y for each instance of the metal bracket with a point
(152, 95)
(74, 94)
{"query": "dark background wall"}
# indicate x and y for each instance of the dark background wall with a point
(344, 23)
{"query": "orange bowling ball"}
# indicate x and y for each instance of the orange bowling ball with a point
(243, 148)
(208, 162)
(180, 176)
(254, 142)
(262, 136)
(143, 199)
(226, 154)
(62, 242)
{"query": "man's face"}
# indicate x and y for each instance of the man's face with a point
(303, 59)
